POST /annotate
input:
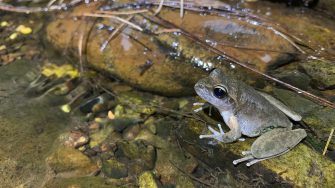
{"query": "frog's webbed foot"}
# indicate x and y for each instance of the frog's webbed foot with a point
(217, 135)
(248, 157)
(272, 144)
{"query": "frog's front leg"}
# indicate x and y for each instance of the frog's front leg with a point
(231, 136)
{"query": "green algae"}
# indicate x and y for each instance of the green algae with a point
(298, 167)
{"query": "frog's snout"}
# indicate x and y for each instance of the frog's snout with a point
(198, 85)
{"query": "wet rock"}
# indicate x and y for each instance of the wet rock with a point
(114, 169)
(327, 5)
(322, 73)
(98, 137)
(147, 136)
(175, 61)
(143, 156)
(69, 162)
(147, 179)
(321, 121)
(131, 132)
(76, 139)
(144, 103)
(88, 151)
(119, 124)
(82, 182)
(291, 75)
(93, 126)
(168, 159)
(296, 102)
(150, 125)
(184, 182)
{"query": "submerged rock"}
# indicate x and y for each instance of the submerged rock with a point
(321, 121)
(98, 137)
(143, 155)
(69, 162)
(322, 73)
(147, 179)
(114, 169)
(76, 139)
(82, 182)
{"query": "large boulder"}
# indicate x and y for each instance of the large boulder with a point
(168, 62)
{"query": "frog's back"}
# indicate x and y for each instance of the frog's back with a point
(256, 114)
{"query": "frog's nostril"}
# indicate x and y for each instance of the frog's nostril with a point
(198, 86)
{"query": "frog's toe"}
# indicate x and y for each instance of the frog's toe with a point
(217, 135)
(254, 162)
(202, 106)
(246, 158)
(241, 139)
(246, 152)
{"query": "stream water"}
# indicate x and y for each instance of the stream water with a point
(121, 133)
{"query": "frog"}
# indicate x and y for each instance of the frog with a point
(250, 113)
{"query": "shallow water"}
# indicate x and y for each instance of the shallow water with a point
(29, 126)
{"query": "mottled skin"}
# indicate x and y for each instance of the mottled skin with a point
(247, 112)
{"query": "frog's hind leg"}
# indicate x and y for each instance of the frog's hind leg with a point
(281, 106)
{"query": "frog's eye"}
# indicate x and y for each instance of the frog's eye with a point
(219, 92)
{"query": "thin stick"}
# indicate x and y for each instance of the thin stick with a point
(256, 49)
(122, 12)
(51, 2)
(328, 142)
(161, 3)
(80, 48)
(166, 31)
(113, 34)
(114, 17)
(286, 38)
(191, 176)
(28, 10)
(181, 8)
(21, 9)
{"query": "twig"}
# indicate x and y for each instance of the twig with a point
(257, 49)
(113, 17)
(80, 48)
(166, 31)
(122, 12)
(287, 38)
(51, 2)
(328, 142)
(113, 34)
(21, 9)
(161, 3)
(191, 176)
(28, 10)
(181, 8)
